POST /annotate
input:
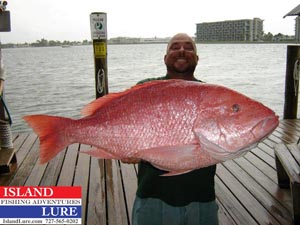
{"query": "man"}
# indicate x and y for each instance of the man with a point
(187, 199)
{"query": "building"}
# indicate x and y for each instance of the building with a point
(246, 30)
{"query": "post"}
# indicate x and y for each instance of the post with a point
(292, 82)
(99, 37)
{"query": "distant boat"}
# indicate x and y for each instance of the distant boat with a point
(66, 46)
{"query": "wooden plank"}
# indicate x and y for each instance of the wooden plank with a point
(295, 151)
(53, 170)
(259, 175)
(265, 157)
(28, 163)
(288, 128)
(288, 162)
(255, 182)
(291, 124)
(45, 174)
(115, 197)
(248, 201)
(34, 178)
(272, 139)
(82, 177)
(96, 209)
(19, 140)
(265, 168)
(67, 172)
(129, 177)
(25, 147)
(267, 148)
(289, 133)
(285, 137)
(223, 216)
(5, 178)
(232, 205)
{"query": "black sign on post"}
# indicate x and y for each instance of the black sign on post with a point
(99, 36)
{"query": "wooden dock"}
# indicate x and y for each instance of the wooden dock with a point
(247, 190)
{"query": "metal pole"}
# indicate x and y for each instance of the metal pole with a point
(99, 36)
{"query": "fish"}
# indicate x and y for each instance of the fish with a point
(176, 125)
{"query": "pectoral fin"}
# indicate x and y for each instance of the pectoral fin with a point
(174, 173)
(100, 153)
(175, 159)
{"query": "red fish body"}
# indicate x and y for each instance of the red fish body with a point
(176, 125)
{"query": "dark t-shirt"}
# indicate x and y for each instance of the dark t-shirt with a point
(179, 190)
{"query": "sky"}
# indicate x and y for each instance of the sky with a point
(32, 20)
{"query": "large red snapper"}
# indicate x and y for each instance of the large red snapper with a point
(176, 125)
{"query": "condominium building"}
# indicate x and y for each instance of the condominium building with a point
(230, 30)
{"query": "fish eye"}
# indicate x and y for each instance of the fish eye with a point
(235, 108)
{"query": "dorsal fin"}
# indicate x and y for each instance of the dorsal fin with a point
(93, 107)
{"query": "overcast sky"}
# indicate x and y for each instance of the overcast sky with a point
(61, 20)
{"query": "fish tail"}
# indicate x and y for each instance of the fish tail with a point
(50, 130)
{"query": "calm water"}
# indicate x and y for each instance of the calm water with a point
(60, 81)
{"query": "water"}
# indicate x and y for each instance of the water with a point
(60, 81)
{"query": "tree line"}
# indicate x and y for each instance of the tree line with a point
(266, 37)
(47, 43)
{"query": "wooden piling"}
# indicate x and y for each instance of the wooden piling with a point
(99, 37)
(291, 82)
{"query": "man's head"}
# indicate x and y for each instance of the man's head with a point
(181, 57)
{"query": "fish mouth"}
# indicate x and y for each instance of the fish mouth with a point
(264, 127)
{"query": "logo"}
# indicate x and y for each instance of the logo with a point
(98, 26)
(40, 205)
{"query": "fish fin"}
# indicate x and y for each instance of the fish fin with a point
(100, 153)
(166, 151)
(174, 173)
(92, 107)
(50, 131)
(164, 158)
